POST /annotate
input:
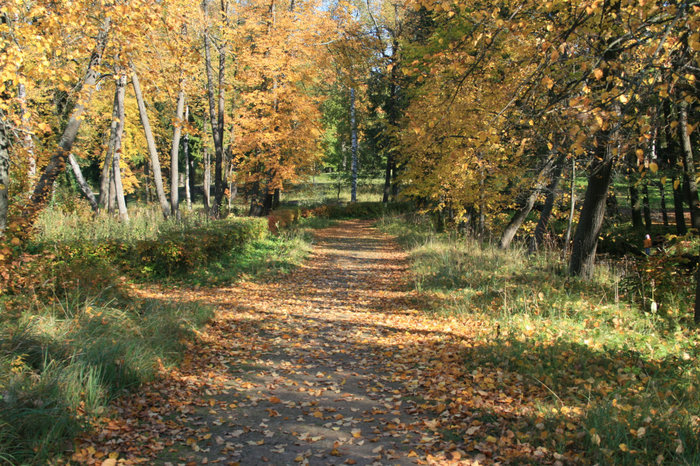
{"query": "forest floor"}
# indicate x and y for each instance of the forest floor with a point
(321, 366)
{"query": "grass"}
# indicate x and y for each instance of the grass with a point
(72, 335)
(615, 381)
(324, 189)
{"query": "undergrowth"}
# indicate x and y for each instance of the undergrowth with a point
(620, 378)
(72, 333)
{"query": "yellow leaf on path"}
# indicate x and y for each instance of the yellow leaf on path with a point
(109, 462)
(412, 454)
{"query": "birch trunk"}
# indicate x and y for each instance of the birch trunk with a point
(27, 141)
(84, 187)
(4, 174)
(117, 144)
(174, 154)
(207, 180)
(186, 156)
(150, 143)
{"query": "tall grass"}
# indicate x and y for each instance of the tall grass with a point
(61, 366)
(630, 377)
(76, 338)
(145, 223)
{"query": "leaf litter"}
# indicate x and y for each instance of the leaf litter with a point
(330, 364)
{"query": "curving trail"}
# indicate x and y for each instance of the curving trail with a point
(330, 364)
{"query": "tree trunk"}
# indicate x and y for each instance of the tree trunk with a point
(150, 143)
(174, 153)
(593, 211)
(353, 139)
(147, 181)
(117, 144)
(4, 174)
(207, 180)
(216, 118)
(662, 195)
(232, 187)
(546, 213)
(646, 206)
(572, 210)
(57, 162)
(519, 217)
(186, 156)
(112, 192)
(84, 187)
(689, 165)
(387, 178)
(672, 159)
(27, 141)
(105, 179)
(634, 201)
(697, 297)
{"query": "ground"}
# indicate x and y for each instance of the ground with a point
(330, 364)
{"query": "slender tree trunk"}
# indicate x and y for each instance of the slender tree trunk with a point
(112, 207)
(4, 174)
(526, 207)
(232, 187)
(646, 206)
(689, 165)
(572, 209)
(697, 297)
(218, 165)
(84, 187)
(147, 181)
(387, 178)
(207, 180)
(546, 213)
(150, 143)
(27, 141)
(105, 180)
(634, 201)
(353, 138)
(186, 156)
(117, 144)
(174, 154)
(216, 118)
(593, 211)
(519, 217)
(276, 199)
(662, 195)
(193, 171)
(672, 159)
(57, 162)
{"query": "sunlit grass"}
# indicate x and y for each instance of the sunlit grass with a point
(618, 382)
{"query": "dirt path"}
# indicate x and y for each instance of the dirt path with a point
(301, 370)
